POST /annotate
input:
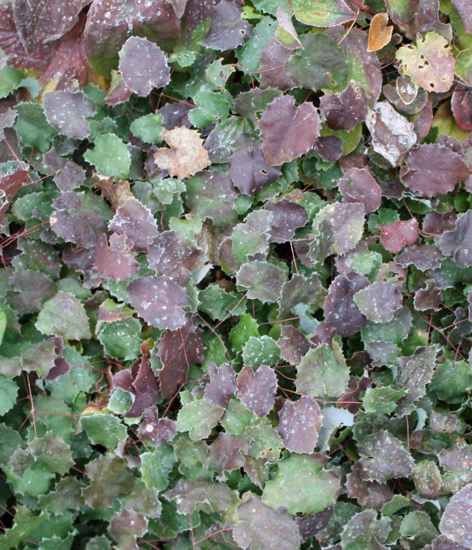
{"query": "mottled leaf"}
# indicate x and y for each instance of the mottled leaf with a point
(379, 301)
(395, 236)
(358, 185)
(64, 316)
(299, 424)
(287, 217)
(114, 261)
(263, 280)
(222, 385)
(345, 110)
(228, 30)
(198, 418)
(136, 222)
(456, 243)
(257, 390)
(68, 111)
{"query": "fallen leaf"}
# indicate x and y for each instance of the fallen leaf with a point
(379, 34)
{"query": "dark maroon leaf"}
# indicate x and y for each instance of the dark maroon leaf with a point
(456, 522)
(345, 110)
(288, 131)
(340, 310)
(293, 344)
(456, 243)
(172, 254)
(67, 111)
(226, 452)
(175, 115)
(379, 301)
(434, 170)
(461, 105)
(358, 185)
(395, 236)
(249, 171)
(125, 526)
(228, 30)
(275, 55)
(114, 261)
(10, 184)
(136, 222)
(68, 176)
(329, 148)
(397, 98)
(287, 217)
(32, 289)
(118, 92)
(78, 218)
(159, 301)
(253, 103)
(222, 385)
(257, 390)
(111, 22)
(299, 424)
(61, 366)
(145, 385)
(46, 20)
(312, 524)
(464, 9)
(425, 256)
(324, 333)
(443, 543)
(177, 351)
(143, 66)
(428, 298)
(158, 430)
(369, 494)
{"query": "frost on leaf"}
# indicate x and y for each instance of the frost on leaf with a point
(424, 257)
(155, 429)
(110, 156)
(319, 65)
(364, 531)
(433, 170)
(249, 171)
(104, 429)
(416, 371)
(456, 243)
(136, 222)
(358, 185)
(143, 66)
(346, 110)
(226, 452)
(211, 195)
(186, 155)
(384, 458)
(53, 451)
(125, 526)
(379, 301)
(172, 254)
(302, 485)
(198, 418)
(392, 135)
(159, 301)
(428, 298)
(456, 464)
(395, 236)
(261, 351)
(299, 424)
(321, 374)
(116, 192)
(67, 112)
(293, 344)
(228, 30)
(340, 310)
(287, 217)
(260, 527)
(222, 385)
(322, 13)
(64, 316)
(288, 131)
(300, 290)
(177, 351)
(263, 280)
(456, 522)
(251, 238)
(30, 290)
(114, 261)
(78, 218)
(257, 390)
(380, 33)
(430, 63)
(275, 55)
(68, 176)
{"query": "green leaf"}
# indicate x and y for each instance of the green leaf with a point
(148, 128)
(8, 394)
(3, 323)
(302, 485)
(322, 13)
(261, 351)
(248, 54)
(252, 237)
(104, 429)
(321, 374)
(120, 401)
(33, 128)
(217, 303)
(122, 339)
(25, 525)
(52, 451)
(110, 156)
(381, 400)
(213, 107)
(64, 316)
(240, 334)
(198, 418)
(156, 467)
(10, 79)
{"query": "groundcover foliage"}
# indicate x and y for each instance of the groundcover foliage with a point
(236, 274)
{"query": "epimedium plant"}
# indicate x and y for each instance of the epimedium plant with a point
(236, 274)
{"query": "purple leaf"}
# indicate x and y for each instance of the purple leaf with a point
(288, 131)
(329, 148)
(226, 452)
(10, 184)
(300, 290)
(287, 217)
(172, 254)
(436, 223)
(158, 430)
(395, 236)
(340, 310)
(456, 522)
(228, 30)
(428, 298)
(299, 424)
(145, 386)
(379, 301)
(177, 351)
(222, 385)
(143, 66)
(114, 261)
(256, 390)
(68, 176)
(67, 111)
(175, 115)
(125, 526)
(293, 344)
(425, 256)
(31, 290)
(118, 92)
(358, 185)
(456, 243)
(369, 494)
(345, 110)
(249, 171)
(136, 222)
(263, 280)
(275, 55)
(159, 301)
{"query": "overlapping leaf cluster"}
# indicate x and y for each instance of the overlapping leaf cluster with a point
(236, 276)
